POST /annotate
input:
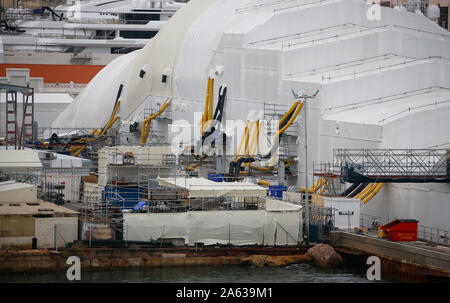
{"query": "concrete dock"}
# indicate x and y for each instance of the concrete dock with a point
(411, 261)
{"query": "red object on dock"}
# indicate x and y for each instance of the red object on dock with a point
(401, 230)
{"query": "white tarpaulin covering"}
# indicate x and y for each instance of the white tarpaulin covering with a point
(202, 188)
(19, 159)
(277, 205)
(238, 227)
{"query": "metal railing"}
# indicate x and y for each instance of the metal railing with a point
(369, 221)
(433, 235)
(424, 233)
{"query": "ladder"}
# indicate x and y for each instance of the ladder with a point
(26, 133)
(17, 136)
(11, 119)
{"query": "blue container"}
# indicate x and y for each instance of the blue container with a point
(126, 197)
(215, 177)
(276, 191)
(313, 232)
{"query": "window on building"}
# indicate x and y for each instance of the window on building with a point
(137, 34)
(443, 21)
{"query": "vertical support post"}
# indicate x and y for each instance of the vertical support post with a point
(55, 236)
(287, 238)
(263, 227)
(229, 233)
(348, 221)
(281, 173)
(126, 235)
(162, 235)
(306, 178)
(275, 235)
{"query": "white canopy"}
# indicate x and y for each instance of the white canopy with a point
(202, 188)
(19, 159)
(276, 205)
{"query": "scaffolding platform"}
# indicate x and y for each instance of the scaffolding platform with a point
(388, 166)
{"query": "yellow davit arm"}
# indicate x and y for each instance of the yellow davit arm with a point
(373, 193)
(146, 123)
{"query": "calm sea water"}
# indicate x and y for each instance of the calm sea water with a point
(296, 273)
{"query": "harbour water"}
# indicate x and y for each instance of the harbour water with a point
(296, 273)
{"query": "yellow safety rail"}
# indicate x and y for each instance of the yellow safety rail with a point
(146, 123)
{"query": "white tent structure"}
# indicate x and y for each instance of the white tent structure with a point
(204, 188)
(383, 80)
(279, 224)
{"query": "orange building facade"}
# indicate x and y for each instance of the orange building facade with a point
(54, 73)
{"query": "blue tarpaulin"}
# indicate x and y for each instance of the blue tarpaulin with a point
(140, 205)
(126, 197)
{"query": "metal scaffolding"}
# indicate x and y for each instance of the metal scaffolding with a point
(390, 165)
(272, 115)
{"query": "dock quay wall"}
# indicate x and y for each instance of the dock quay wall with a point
(400, 261)
(91, 258)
